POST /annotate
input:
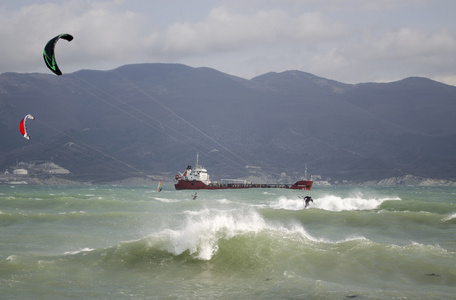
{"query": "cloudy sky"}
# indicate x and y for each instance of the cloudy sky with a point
(350, 41)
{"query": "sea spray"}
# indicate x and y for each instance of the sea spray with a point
(332, 202)
(200, 230)
(132, 242)
(356, 202)
(450, 219)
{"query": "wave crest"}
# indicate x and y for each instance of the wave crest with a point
(333, 203)
(201, 232)
(450, 218)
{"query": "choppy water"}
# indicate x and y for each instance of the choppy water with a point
(105, 242)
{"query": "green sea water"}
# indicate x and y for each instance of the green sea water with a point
(125, 242)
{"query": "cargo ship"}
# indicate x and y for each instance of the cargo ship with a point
(197, 178)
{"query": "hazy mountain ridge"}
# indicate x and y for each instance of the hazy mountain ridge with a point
(151, 119)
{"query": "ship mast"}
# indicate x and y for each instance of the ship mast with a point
(197, 155)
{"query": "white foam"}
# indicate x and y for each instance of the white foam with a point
(201, 230)
(287, 204)
(332, 203)
(224, 201)
(11, 258)
(268, 193)
(72, 212)
(166, 200)
(449, 218)
(79, 251)
(357, 202)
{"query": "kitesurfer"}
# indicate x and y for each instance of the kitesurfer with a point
(194, 196)
(307, 199)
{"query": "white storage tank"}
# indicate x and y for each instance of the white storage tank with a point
(20, 172)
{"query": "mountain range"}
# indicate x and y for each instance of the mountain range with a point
(152, 119)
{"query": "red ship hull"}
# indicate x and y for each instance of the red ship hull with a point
(199, 185)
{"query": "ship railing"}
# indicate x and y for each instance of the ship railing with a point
(233, 181)
(249, 185)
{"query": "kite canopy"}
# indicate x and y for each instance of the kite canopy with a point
(49, 57)
(23, 128)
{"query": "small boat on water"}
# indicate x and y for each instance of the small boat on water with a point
(197, 178)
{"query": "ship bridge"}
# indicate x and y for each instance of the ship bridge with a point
(196, 173)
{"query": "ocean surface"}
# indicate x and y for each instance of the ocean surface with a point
(131, 242)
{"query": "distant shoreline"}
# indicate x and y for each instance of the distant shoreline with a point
(407, 180)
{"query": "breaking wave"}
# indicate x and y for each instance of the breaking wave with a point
(451, 218)
(333, 203)
(201, 231)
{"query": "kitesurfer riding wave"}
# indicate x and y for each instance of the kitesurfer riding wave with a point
(307, 199)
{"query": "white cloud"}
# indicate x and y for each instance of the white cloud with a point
(346, 40)
(409, 44)
(105, 34)
(450, 79)
(404, 52)
(100, 34)
(226, 30)
(376, 5)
